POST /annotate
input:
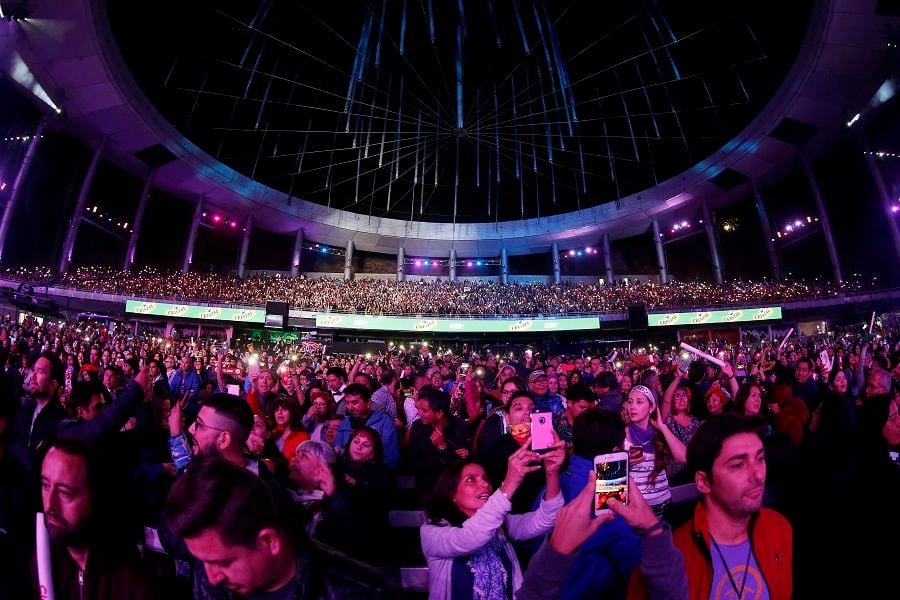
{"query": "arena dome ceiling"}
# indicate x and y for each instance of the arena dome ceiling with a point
(665, 108)
(461, 111)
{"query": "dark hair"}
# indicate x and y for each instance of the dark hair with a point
(388, 376)
(57, 369)
(439, 505)
(809, 363)
(438, 400)
(517, 381)
(106, 514)
(580, 391)
(373, 436)
(293, 407)
(607, 379)
(517, 394)
(159, 364)
(235, 410)
(217, 495)
(597, 432)
(743, 394)
(337, 372)
(83, 391)
(357, 389)
(116, 371)
(706, 445)
(134, 363)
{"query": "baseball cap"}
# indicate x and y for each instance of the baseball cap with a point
(537, 374)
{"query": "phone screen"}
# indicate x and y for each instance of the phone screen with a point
(541, 431)
(612, 480)
(464, 368)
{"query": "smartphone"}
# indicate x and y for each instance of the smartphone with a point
(541, 431)
(233, 389)
(612, 480)
(464, 368)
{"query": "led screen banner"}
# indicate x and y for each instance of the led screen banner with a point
(189, 311)
(335, 321)
(709, 317)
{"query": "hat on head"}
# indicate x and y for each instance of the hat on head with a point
(537, 374)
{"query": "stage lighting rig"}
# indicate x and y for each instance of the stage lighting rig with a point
(16, 11)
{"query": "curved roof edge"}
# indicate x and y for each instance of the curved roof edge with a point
(837, 67)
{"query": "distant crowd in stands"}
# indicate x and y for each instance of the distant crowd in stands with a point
(378, 296)
(256, 464)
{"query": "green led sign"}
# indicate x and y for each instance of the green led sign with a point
(710, 317)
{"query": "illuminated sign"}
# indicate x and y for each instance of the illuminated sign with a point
(190, 311)
(536, 325)
(709, 317)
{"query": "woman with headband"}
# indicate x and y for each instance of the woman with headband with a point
(652, 447)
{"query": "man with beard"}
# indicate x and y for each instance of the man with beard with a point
(37, 420)
(89, 559)
(221, 428)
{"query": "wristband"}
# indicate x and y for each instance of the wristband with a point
(652, 528)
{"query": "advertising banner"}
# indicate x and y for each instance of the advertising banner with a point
(709, 317)
(189, 311)
(444, 325)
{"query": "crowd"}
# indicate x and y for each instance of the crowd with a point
(268, 472)
(439, 297)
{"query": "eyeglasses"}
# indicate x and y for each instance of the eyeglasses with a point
(507, 392)
(199, 424)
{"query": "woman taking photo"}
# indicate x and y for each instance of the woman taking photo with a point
(321, 409)
(652, 447)
(467, 539)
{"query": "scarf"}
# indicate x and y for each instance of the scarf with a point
(483, 575)
(642, 437)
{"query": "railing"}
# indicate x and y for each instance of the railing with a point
(814, 301)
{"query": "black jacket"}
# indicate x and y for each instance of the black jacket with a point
(29, 448)
(426, 460)
(322, 574)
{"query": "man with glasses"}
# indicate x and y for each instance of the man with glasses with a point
(221, 428)
(539, 388)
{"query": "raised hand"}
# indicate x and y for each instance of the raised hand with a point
(176, 416)
(574, 522)
(638, 513)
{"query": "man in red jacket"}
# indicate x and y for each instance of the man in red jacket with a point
(733, 548)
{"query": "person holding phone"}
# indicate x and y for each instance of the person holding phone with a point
(652, 446)
(493, 454)
(732, 547)
(467, 538)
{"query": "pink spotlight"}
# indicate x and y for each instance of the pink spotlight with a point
(217, 218)
(418, 263)
(468, 263)
(234, 224)
(571, 253)
(895, 208)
